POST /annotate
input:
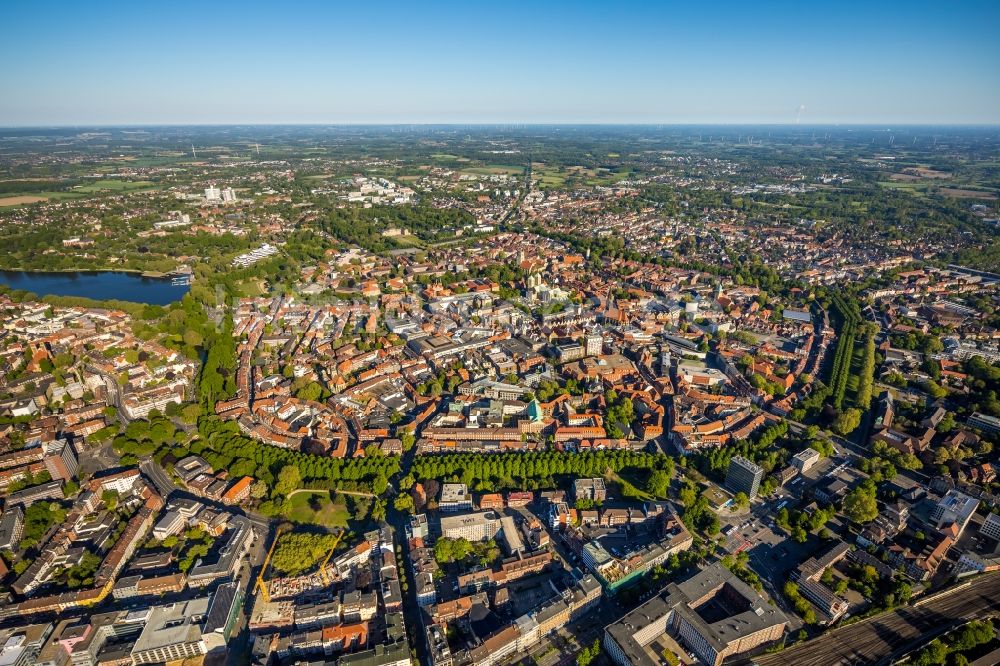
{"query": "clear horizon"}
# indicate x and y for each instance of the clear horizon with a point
(115, 64)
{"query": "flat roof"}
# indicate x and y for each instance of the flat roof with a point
(172, 624)
(721, 629)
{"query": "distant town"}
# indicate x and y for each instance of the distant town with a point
(469, 396)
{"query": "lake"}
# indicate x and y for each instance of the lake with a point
(100, 285)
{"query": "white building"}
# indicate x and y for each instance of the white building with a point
(454, 497)
(172, 632)
(805, 459)
(479, 526)
(171, 523)
(991, 527)
(955, 507)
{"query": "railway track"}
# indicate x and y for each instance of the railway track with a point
(876, 640)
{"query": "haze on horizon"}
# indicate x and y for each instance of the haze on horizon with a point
(114, 63)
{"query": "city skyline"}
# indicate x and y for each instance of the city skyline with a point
(110, 64)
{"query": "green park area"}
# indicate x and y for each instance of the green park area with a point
(315, 507)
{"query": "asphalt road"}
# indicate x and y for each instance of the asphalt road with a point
(877, 640)
(164, 484)
(114, 393)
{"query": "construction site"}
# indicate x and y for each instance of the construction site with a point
(348, 602)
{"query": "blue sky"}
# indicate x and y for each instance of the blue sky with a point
(76, 63)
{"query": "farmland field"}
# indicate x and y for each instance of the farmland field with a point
(966, 194)
(21, 200)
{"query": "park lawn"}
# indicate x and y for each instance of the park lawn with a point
(633, 478)
(408, 241)
(330, 514)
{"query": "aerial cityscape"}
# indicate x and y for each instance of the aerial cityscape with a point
(582, 377)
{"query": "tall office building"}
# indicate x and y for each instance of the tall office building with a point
(594, 344)
(212, 193)
(744, 476)
(60, 459)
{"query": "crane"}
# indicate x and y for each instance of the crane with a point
(322, 567)
(261, 584)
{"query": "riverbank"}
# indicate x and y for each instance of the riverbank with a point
(155, 275)
(20, 296)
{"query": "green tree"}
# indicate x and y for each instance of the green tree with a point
(379, 510)
(298, 552)
(847, 421)
(860, 505)
(289, 478)
(403, 502)
(590, 653)
(110, 499)
(658, 484)
(190, 413)
(311, 391)
(935, 653)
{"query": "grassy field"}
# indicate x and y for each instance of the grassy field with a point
(114, 186)
(447, 157)
(553, 177)
(632, 478)
(48, 196)
(549, 179)
(959, 193)
(409, 241)
(316, 508)
(21, 200)
(917, 189)
(494, 170)
(161, 159)
(923, 187)
(78, 192)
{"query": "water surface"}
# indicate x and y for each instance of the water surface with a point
(100, 285)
